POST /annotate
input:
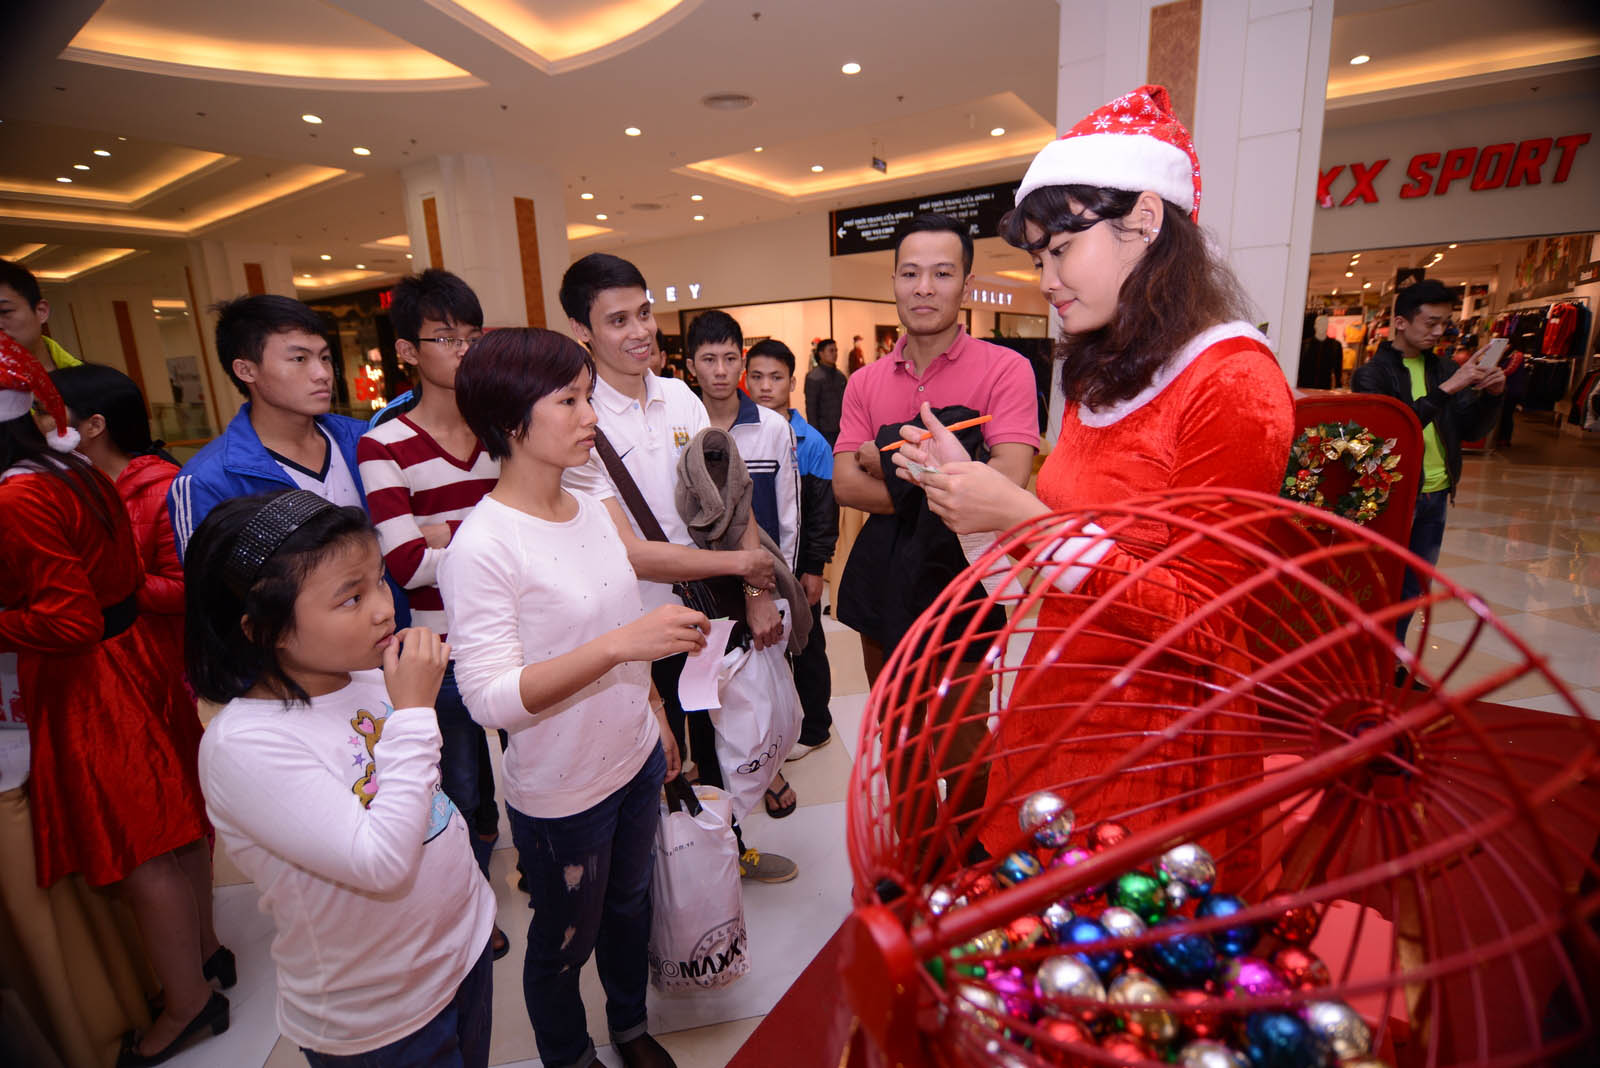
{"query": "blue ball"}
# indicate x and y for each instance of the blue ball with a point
(1275, 1039)
(1232, 941)
(1185, 959)
(1083, 931)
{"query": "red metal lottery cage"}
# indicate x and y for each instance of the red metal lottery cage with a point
(1402, 867)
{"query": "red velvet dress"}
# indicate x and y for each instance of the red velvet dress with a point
(1221, 416)
(111, 784)
(143, 487)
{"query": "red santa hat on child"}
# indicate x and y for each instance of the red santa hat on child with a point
(23, 382)
(1134, 143)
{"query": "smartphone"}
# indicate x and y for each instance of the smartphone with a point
(1489, 356)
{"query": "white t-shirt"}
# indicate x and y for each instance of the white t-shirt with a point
(334, 811)
(334, 483)
(519, 590)
(649, 440)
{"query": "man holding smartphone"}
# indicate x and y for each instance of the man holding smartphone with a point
(1452, 403)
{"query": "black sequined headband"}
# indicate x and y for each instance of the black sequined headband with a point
(266, 531)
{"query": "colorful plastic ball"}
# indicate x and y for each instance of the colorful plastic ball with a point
(981, 1004)
(1129, 1049)
(1251, 977)
(1017, 868)
(1338, 1026)
(1047, 818)
(1106, 835)
(1198, 1019)
(968, 959)
(1232, 941)
(1301, 969)
(1059, 1035)
(1140, 892)
(1083, 931)
(1190, 865)
(1069, 857)
(1185, 958)
(980, 887)
(1122, 923)
(1025, 932)
(1062, 978)
(1178, 896)
(1276, 1039)
(1207, 1054)
(1134, 988)
(1056, 917)
(1298, 925)
(1015, 989)
(941, 900)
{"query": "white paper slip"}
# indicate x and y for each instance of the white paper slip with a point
(697, 686)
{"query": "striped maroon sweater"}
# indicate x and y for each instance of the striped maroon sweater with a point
(412, 482)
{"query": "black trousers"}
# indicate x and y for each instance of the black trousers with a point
(813, 681)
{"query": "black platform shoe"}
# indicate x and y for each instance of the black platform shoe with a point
(221, 967)
(214, 1017)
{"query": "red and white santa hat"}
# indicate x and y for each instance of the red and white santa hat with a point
(22, 383)
(1134, 143)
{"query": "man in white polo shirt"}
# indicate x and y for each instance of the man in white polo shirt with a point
(648, 420)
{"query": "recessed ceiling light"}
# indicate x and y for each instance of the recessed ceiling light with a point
(633, 131)
(362, 150)
(699, 218)
(80, 166)
(305, 276)
(408, 255)
(65, 180)
(361, 266)
(1452, 245)
(315, 120)
(121, 138)
(758, 148)
(325, 256)
(998, 131)
(1366, 285)
(602, 216)
(816, 168)
(101, 152)
(851, 68)
(696, 197)
(585, 196)
(1356, 61)
(1349, 274)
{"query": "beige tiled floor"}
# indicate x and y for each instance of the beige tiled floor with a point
(1524, 534)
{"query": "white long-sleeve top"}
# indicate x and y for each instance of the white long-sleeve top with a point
(334, 811)
(519, 590)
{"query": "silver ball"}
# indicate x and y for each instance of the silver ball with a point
(1190, 865)
(941, 900)
(1121, 922)
(1047, 818)
(1338, 1025)
(1056, 918)
(1067, 977)
(1207, 1054)
(981, 1004)
(1177, 894)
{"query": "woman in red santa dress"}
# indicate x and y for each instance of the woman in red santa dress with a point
(114, 795)
(1165, 387)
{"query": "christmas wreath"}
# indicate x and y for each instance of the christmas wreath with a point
(1372, 463)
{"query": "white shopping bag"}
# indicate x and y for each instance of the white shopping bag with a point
(759, 720)
(697, 935)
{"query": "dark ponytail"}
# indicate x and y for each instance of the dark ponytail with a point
(94, 389)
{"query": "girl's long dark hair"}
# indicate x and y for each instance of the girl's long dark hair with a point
(223, 659)
(21, 443)
(1177, 289)
(94, 389)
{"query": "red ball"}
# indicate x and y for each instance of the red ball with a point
(1106, 835)
(1025, 932)
(1129, 1049)
(1060, 1035)
(1297, 926)
(1198, 1021)
(982, 886)
(1302, 968)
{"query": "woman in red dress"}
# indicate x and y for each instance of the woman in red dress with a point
(114, 795)
(1165, 387)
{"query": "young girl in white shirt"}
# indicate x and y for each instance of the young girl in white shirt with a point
(321, 775)
(552, 645)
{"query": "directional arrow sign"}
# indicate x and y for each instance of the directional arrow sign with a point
(872, 226)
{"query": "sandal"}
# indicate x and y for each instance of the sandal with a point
(774, 801)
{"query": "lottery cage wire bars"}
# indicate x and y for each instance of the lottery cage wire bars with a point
(1334, 773)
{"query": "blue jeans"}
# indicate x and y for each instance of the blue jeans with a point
(463, 754)
(589, 878)
(1427, 535)
(458, 1037)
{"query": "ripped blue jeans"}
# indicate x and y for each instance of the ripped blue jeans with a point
(589, 880)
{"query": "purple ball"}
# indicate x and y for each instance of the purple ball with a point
(1252, 977)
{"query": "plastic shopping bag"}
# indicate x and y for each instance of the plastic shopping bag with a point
(759, 720)
(697, 934)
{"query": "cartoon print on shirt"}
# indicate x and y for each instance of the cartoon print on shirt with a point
(370, 729)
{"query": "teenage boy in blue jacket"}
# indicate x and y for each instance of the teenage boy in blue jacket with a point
(274, 350)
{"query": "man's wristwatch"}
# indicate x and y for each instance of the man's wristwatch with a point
(753, 591)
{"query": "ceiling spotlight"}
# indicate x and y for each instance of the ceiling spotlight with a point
(1366, 285)
(758, 148)
(408, 255)
(361, 266)
(699, 218)
(121, 138)
(80, 166)
(816, 168)
(65, 180)
(1452, 244)
(315, 120)
(361, 150)
(1356, 61)
(585, 196)
(325, 256)
(101, 152)
(1349, 274)
(305, 276)
(851, 68)
(633, 131)
(602, 216)
(696, 197)
(998, 131)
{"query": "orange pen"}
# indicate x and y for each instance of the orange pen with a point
(962, 425)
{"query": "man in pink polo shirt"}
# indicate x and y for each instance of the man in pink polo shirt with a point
(901, 561)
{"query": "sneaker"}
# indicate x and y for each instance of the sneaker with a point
(766, 867)
(801, 748)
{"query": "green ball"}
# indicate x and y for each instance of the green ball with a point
(936, 969)
(1141, 894)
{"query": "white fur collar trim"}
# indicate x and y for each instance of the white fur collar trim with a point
(1168, 371)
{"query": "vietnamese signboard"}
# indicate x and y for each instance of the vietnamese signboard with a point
(871, 227)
